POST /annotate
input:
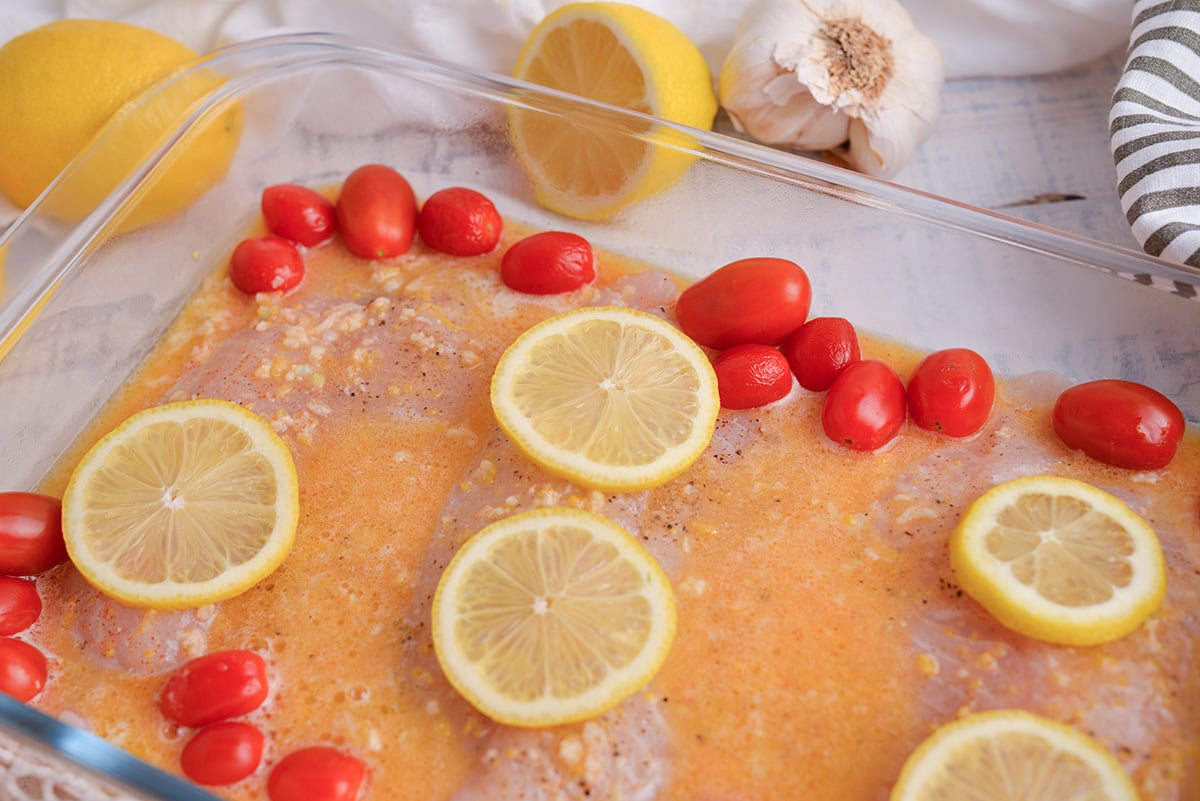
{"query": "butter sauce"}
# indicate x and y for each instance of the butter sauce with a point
(821, 638)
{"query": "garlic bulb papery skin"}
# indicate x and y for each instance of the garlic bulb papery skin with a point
(853, 78)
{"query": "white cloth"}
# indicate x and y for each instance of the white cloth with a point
(1007, 38)
(977, 37)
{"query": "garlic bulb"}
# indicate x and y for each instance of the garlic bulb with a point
(850, 77)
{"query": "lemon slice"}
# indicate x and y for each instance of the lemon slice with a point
(1059, 560)
(182, 505)
(608, 397)
(1009, 754)
(550, 617)
(624, 56)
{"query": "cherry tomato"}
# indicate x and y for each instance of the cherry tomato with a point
(952, 391)
(750, 300)
(864, 409)
(317, 773)
(377, 212)
(298, 214)
(20, 605)
(222, 753)
(548, 263)
(1120, 423)
(459, 221)
(265, 264)
(820, 349)
(31, 538)
(22, 669)
(751, 375)
(215, 687)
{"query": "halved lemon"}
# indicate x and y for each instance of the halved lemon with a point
(1059, 560)
(551, 616)
(608, 397)
(624, 56)
(1009, 754)
(182, 505)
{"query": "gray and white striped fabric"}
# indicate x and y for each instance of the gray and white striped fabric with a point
(1155, 128)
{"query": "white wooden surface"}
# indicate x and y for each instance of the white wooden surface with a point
(1036, 148)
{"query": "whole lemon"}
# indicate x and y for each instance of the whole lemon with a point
(63, 83)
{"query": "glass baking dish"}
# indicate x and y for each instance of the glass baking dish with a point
(84, 302)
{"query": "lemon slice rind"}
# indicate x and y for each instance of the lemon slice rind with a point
(457, 596)
(1020, 606)
(82, 509)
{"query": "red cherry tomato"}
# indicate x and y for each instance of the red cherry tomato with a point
(751, 375)
(864, 409)
(952, 391)
(548, 263)
(215, 687)
(265, 264)
(751, 300)
(22, 669)
(298, 214)
(317, 773)
(222, 753)
(20, 605)
(459, 221)
(377, 212)
(820, 349)
(31, 538)
(1120, 423)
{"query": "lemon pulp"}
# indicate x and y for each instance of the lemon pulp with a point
(1009, 754)
(182, 505)
(608, 397)
(1059, 560)
(551, 616)
(627, 57)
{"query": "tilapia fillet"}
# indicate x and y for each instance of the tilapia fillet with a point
(821, 637)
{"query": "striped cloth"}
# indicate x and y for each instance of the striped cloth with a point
(1155, 129)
